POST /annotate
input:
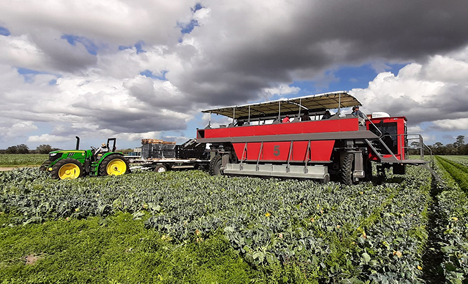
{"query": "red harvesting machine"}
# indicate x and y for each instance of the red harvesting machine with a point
(344, 147)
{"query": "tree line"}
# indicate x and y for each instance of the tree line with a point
(24, 149)
(456, 148)
(41, 149)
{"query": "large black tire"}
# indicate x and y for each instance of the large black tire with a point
(369, 170)
(114, 164)
(45, 166)
(215, 165)
(67, 169)
(347, 169)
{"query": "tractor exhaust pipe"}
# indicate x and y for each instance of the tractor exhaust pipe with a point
(77, 143)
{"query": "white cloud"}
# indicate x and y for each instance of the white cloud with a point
(452, 124)
(47, 138)
(282, 90)
(421, 92)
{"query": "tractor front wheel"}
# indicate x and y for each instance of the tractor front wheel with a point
(67, 169)
(45, 166)
(114, 165)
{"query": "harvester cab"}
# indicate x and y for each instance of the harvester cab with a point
(313, 144)
(72, 164)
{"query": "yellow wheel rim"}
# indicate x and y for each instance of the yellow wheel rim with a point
(69, 171)
(116, 167)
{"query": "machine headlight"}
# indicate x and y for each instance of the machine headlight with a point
(53, 154)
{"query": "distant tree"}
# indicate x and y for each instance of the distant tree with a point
(438, 145)
(12, 150)
(460, 141)
(125, 151)
(22, 149)
(44, 149)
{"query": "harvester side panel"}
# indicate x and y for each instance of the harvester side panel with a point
(301, 151)
(319, 126)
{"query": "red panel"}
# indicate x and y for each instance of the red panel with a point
(275, 151)
(299, 152)
(319, 126)
(320, 151)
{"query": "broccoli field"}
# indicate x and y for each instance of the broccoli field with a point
(190, 227)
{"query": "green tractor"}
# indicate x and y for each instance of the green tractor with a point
(72, 164)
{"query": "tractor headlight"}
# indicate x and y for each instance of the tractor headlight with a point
(52, 154)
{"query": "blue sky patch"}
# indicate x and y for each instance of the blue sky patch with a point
(29, 75)
(149, 74)
(188, 28)
(138, 46)
(344, 78)
(197, 7)
(4, 31)
(90, 46)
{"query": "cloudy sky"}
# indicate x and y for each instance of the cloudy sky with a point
(145, 69)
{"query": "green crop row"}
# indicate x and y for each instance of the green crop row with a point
(12, 160)
(458, 171)
(453, 221)
(329, 232)
(463, 160)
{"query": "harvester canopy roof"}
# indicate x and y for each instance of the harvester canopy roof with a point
(313, 103)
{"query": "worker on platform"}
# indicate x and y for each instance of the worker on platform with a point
(326, 115)
(305, 116)
(286, 119)
(357, 113)
(360, 115)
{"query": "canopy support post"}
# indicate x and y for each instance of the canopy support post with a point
(339, 104)
(300, 104)
(279, 111)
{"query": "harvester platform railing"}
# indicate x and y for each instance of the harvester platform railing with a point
(419, 147)
(377, 152)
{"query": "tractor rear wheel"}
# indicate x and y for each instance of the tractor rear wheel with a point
(347, 169)
(67, 169)
(114, 165)
(215, 165)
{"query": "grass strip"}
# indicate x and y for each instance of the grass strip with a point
(116, 249)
